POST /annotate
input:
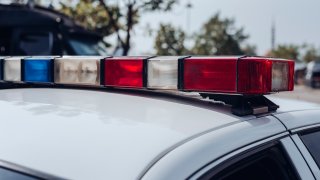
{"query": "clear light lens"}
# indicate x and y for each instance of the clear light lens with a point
(163, 72)
(280, 73)
(12, 69)
(77, 70)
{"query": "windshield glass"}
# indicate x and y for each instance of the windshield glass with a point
(86, 46)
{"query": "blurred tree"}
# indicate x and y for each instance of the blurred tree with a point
(115, 18)
(170, 41)
(286, 51)
(219, 37)
(249, 50)
(311, 53)
(91, 15)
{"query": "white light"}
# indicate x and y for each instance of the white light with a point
(83, 70)
(163, 72)
(279, 76)
(12, 69)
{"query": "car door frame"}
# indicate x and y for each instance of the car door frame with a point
(291, 150)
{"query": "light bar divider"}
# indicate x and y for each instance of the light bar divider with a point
(1, 69)
(22, 70)
(237, 72)
(102, 70)
(181, 72)
(145, 71)
(51, 62)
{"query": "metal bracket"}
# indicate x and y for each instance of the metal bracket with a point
(244, 104)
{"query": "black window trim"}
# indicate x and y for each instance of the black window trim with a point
(27, 171)
(234, 159)
(217, 165)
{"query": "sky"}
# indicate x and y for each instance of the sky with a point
(296, 21)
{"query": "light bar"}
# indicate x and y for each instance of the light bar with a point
(37, 69)
(124, 72)
(12, 69)
(216, 75)
(163, 72)
(83, 70)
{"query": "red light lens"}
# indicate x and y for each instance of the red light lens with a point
(248, 75)
(291, 76)
(212, 74)
(254, 75)
(123, 72)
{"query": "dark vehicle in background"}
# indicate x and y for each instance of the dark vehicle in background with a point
(313, 74)
(27, 30)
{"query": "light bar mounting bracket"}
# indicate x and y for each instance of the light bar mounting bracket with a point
(244, 104)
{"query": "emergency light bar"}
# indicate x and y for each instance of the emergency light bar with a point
(238, 81)
(227, 75)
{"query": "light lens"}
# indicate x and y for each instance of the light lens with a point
(12, 69)
(163, 72)
(124, 72)
(254, 75)
(214, 74)
(77, 70)
(291, 75)
(38, 70)
(280, 78)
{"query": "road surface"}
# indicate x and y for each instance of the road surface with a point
(302, 93)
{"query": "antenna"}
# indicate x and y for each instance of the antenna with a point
(273, 35)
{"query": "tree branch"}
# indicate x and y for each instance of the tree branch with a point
(112, 21)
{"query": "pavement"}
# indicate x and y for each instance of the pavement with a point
(303, 93)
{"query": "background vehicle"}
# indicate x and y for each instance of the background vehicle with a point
(28, 30)
(313, 74)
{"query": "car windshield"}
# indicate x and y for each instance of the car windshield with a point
(87, 46)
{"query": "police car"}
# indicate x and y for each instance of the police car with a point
(154, 118)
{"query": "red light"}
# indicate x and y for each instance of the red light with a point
(214, 74)
(124, 72)
(247, 75)
(254, 75)
(291, 76)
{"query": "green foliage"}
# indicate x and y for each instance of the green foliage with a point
(219, 37)
(170, 41)
(249, 50)
(107, 19)
(91, 15)
(286, 51)
(152, 5)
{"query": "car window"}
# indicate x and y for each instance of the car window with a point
(311, 140)
(13, 175)
(86, 46)
(268, 164)
(5, 40)
(35, 43)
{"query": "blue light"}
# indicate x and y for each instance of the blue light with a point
(37, 70)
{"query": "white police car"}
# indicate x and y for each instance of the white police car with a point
(106, 118)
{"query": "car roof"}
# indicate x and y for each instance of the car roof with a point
(64, 131)
(95, 134)
(289, 105)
